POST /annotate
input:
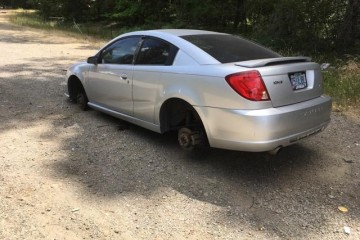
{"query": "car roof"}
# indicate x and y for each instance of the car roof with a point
(177, 32)
(174, 36)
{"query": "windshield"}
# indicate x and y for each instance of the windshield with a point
(229, 48)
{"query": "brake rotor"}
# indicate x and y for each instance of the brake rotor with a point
(185, 139)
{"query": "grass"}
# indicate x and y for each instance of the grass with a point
(341, 80)
(100, 30)
(342, 83)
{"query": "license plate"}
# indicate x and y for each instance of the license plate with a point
(298, 80)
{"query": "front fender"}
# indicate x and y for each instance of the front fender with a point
(79, 70)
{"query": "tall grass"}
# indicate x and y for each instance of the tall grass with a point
(31, 19)
(100, 30)
(341, 80)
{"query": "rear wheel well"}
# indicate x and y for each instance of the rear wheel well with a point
(178, 115)
(174, 113)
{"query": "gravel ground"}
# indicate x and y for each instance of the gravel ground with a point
(68, 174)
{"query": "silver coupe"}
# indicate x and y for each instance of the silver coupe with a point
(212, 88)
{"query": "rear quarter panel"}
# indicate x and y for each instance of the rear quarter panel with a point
(203, 86)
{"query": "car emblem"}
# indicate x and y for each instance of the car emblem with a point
(313, 111)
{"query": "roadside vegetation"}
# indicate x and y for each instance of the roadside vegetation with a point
(342, 83)
(325, 30)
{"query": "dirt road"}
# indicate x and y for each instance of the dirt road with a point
(68, 174)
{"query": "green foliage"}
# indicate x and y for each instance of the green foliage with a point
(308, 25)
(16, 3)
(304, 26)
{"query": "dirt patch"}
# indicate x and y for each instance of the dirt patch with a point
(68, 174)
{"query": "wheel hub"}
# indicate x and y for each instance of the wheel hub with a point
(188, 139)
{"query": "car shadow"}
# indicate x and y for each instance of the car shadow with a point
(267, 189)
(167, 155)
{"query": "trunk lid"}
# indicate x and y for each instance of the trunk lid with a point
(288, 80)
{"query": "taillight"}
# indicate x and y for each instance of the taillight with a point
(249, 84)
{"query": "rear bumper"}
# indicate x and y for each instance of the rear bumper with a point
(266, 129)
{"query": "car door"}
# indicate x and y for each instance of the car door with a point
(154, 58)
(109, 83)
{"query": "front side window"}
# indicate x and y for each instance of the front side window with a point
(155, 52)
(120, 52)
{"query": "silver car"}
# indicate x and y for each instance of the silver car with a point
(212, 88)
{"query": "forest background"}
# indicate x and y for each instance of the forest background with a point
(298, 25)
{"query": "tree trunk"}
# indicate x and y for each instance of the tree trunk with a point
(349, 29)
(240, 14)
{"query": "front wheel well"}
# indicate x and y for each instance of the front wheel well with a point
(74, 87)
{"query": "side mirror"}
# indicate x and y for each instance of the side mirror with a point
(93, 60)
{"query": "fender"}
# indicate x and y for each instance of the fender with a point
(79, 70)
(178, 91)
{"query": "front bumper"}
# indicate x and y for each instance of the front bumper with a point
(266, 129)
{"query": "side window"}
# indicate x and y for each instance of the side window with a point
(120, 52)
(155, 52)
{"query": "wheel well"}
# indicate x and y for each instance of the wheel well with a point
(176, 113)
(74, 87)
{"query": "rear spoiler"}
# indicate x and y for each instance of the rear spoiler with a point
(272, 61)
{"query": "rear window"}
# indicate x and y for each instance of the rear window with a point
(229, 48)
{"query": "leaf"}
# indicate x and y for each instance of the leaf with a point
(343, 209)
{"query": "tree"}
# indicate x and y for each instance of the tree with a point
(349, 30)
(15, 3)
(305, 25)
